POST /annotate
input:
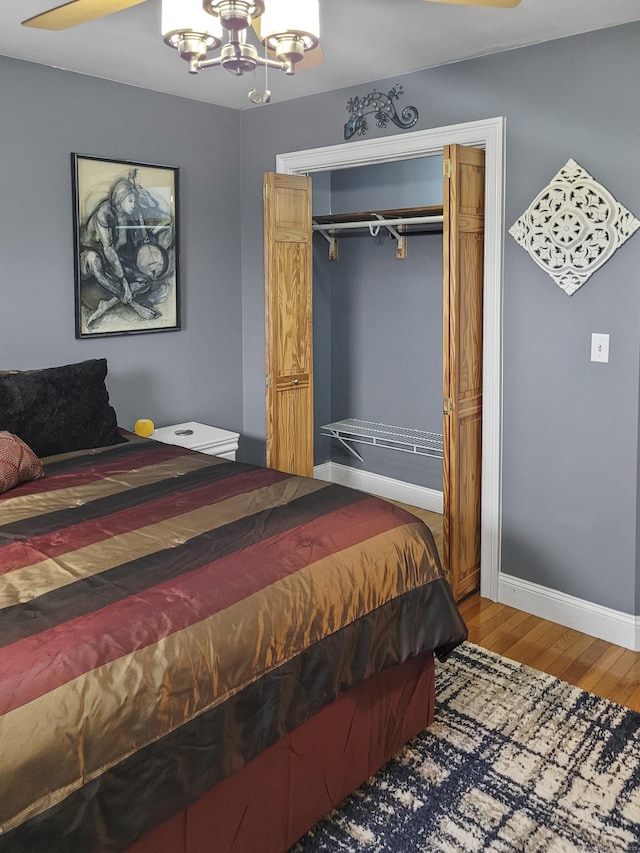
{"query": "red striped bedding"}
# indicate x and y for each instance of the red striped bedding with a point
(166, 615)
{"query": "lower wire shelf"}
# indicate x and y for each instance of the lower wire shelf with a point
(354, 431)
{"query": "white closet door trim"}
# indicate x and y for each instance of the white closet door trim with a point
(489, 135)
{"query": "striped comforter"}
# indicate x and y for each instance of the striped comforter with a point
(167, 615)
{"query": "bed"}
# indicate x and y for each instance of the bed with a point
(195, 654)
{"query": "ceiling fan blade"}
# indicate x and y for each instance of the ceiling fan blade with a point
(77, 12)
(500, 4)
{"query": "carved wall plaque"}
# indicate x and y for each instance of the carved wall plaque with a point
(573, 227)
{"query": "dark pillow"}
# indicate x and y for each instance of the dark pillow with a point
(18, 462)
(59, 409)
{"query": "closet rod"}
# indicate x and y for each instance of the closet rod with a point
(366, 223)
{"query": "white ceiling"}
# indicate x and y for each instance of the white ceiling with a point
(362, 40)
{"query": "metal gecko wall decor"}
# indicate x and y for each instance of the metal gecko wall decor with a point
(383, 108)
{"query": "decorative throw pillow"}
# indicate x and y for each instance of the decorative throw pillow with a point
(18, 462)
(59, 409)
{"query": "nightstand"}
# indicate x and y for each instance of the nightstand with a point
(202, 437)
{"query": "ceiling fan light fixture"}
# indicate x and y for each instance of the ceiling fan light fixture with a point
(289, 29)
(234, 15)
(190, 30)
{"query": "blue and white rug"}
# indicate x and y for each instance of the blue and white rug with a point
(516, 760)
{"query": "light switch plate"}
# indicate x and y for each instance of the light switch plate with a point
(599, 347)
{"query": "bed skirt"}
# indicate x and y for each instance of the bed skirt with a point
(279, 795)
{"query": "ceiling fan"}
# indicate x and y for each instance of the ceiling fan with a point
(289, 32)
(76, 12)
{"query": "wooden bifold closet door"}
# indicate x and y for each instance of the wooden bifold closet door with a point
(463, 278)
(289, 345)
(288, 322)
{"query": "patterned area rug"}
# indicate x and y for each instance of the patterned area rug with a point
(516, 760)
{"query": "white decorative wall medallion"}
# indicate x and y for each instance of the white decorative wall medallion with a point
(573, 227)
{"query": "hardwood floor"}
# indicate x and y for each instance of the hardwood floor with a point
(602, 668)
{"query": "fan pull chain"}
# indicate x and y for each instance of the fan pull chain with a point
(255, 96)
(267, 94)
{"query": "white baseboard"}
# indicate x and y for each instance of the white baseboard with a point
(623, 629)
(376, 484)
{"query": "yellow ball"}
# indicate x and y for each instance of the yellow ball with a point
(143, 427)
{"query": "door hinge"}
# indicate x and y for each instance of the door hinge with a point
(267, 380)
(265, 191)
(447, 405)
(447, 167)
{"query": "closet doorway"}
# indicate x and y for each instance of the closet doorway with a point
(482, 504)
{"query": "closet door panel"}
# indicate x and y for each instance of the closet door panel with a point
(290, 309)
(469, 340)
(462, 365)
(464, 509)
(288, 323)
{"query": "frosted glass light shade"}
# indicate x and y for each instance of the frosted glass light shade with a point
(188, 16)
(282, 17)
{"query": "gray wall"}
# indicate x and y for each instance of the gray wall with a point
(387, 347)
(386, 318)
(406, 183)
(570, 482)
(570, 451)
(193, 374)
(377, 319)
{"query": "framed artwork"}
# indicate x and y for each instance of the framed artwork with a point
(125, 247)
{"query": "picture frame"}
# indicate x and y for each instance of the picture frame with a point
(126, 247)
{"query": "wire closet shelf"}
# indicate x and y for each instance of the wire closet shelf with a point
(405, 439)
